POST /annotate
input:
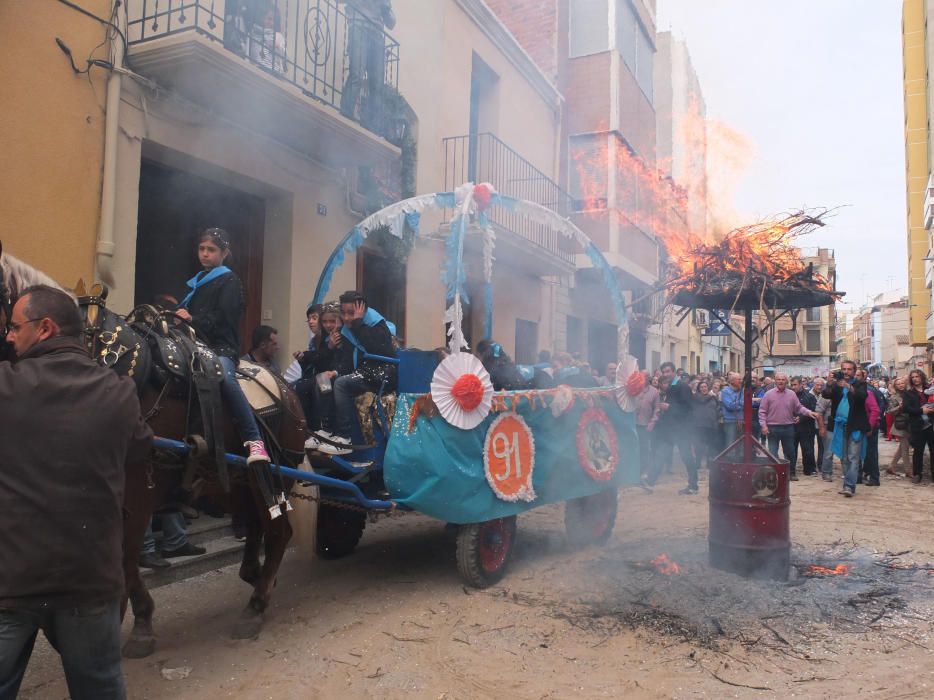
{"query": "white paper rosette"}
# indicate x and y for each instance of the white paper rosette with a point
(462, 390)
(562, 400)
(627, 367)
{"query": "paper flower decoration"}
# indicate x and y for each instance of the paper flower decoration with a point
(562, 401)
(482, 194)
(625, 370)
(462, 391)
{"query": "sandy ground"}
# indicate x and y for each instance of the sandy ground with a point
(394, 620)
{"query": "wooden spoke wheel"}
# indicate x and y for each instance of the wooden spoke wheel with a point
(484, 550)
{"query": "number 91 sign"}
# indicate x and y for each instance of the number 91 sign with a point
(509, 457)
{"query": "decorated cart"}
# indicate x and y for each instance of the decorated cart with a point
(449, 446)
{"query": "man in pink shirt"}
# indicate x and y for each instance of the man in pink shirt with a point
(777, 414)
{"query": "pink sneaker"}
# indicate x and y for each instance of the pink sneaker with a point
(257, 451)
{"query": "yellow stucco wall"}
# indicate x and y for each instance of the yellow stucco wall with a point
(914, 39)
(51, 135)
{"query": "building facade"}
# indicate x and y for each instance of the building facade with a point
(271, 128)
(803, 343)
(277, 134)
(917, 51)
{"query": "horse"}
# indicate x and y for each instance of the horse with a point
(150, 489)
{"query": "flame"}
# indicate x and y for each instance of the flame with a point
(648, 198)
(664, 565)
(838, 570)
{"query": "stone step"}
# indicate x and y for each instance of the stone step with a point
(222, 551)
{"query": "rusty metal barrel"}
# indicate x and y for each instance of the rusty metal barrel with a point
(749, 513)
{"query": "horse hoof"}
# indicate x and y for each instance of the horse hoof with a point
(139, 647)
(248, 627)
(250, 575)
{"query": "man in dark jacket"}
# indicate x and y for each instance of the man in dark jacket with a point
(869, 474)
(805, 427)
(71, 428)
(673, 426)
(367, 333)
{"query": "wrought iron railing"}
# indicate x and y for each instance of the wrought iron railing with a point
(485, 158)
(329, 49)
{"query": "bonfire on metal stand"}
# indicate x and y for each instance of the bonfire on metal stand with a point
(752, 268)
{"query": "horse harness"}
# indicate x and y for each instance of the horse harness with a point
(146, 348)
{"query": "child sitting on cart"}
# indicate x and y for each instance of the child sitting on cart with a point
(332, 358)
(365, 332)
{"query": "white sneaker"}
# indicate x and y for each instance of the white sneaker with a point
(312, 443)
(329, 449)
(326, 434)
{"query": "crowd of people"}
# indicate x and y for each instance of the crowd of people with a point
(807, 421)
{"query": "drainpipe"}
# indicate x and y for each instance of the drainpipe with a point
(105, 233)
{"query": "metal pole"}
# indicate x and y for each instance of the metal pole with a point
(747, 391)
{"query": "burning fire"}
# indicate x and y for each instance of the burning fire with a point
(664, 565)
(647, 198)
(838, 570)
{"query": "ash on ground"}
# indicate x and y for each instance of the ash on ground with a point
(834, 590)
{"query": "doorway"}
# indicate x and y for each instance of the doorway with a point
(382, 282)
(174, 208)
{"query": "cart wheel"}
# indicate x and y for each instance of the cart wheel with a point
(338, 531)
(590, 520)
(484, 549)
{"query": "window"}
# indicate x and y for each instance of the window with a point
(635, 46)
(812, 315)
(590, 30)
(812, 340)
(588, 176)
(787, 337)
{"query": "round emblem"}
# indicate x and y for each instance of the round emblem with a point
(596, 444)
(765, 481)
(509, 458)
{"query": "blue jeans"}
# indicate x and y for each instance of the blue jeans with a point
(826, 466)
(87, 638)
(235, 400)
(173, 533)
(784, 435)
(346, 389)
(731, 432)
(853, 454)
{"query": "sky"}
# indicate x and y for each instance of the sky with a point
(816, 88)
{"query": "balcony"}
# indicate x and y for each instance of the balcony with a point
(316, 75)
(929, 204)
(485, 158)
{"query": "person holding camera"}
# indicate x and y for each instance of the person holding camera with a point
(854, 412)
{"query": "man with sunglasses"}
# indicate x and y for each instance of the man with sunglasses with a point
(71, 430)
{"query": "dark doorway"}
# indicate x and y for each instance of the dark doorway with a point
(174, 207)
(526, 342)
(602, 340)
(382, 282)
(637, 343)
